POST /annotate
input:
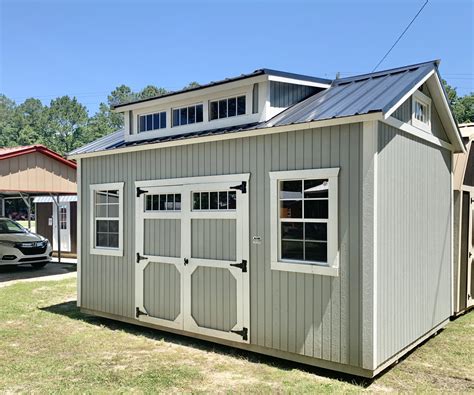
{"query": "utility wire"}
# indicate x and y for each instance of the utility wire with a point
(401, 35)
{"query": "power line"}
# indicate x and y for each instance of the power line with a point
(401, 35)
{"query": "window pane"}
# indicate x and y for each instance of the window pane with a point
(175, 117)
(142, 124)
(170, 202)
(290, 190)
(316, 209)
(101, 240)
(291, 209)
(232, 110)
(101, 197)
(213, 200)
(148, 205)
(149, 122)
(315, 231)
(316, 252)
(316, 188)
(184, 116)
(113, 197)
(177, 201)
(199, 113)
(101, 211)
(292, 230)
(156, 121)
(241, 105)
(114, 226)
(113, 211)
(213, 111)
(162, 120)
(204, 200)
(232, 200)
(191, 114)
(162, 202)
(223, 108)
(196, 201)
(113, 240)
(292, 250)
(156, 202)
(102, 226)
(222, 200)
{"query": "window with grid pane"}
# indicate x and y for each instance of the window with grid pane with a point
(214, 200)
(106, 209)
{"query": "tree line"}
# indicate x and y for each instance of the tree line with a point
(65, 124)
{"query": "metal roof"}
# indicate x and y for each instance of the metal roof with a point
(49, 199)
(255, 73)
(357, 95)
(11, 152)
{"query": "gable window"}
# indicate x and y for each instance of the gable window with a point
(151, 121)
(421, 111)
(304, 221)
(187, 115)
(226, 108)
(107, 219)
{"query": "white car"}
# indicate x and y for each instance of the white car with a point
(18, 245)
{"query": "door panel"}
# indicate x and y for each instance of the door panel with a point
(213, 239)
(214, 292)
(64, 226)
(162, 237)
(470, 259)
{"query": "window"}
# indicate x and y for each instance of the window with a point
(187, 115)
(226, 108)
(106, 221)
(304, 221)
(163, 202)
(151, 121)
(210, 201)
(421, 111)
(63, 217)
(255, 99)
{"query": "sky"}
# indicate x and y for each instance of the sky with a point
(86, 48)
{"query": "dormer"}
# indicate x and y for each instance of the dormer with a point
(244, 100)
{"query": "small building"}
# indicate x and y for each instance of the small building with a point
(289, 215)
(36, 174)
(463, 181)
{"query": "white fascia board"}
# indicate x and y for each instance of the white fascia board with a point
(296, 81)
(377, 116)
(408, 94)
(193, 94)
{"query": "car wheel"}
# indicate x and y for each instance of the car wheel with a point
(39, 265)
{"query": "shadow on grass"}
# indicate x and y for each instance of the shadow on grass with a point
(26, 271)
(70, 310)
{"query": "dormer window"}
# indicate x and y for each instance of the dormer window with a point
(187, 115)
(421, 111)
(226, 108)
(153, 121)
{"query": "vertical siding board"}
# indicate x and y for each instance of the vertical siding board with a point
(265, 227)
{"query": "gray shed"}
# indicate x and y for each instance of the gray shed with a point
(288, 215)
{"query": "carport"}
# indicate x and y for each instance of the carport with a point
(35, 170)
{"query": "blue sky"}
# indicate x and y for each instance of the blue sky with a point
(86, 48)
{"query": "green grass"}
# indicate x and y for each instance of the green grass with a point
(48, 345)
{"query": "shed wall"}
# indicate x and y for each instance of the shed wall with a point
(414, 239)
(311, 315)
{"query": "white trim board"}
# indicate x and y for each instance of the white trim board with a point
(79, 231)
(237, 135)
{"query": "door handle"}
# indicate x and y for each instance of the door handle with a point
(186, 261)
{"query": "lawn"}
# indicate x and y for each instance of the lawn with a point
(48, 345)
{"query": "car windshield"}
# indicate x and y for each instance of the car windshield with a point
(10, 226)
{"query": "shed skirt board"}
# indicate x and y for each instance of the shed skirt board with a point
(191, 272)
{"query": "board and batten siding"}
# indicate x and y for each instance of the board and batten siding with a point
(312, 315)
(414, 239)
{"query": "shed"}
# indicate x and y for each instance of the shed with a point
(463, 184)
(288, 215)
(27, 172)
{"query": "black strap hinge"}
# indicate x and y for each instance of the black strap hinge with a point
(244, 333)
(242, 187)
(138, 312)
(140, 258)
(242, 265)
(140, 191)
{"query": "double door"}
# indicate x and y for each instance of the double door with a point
(192, 267)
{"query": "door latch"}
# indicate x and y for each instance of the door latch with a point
(186, 261)
(140, 258)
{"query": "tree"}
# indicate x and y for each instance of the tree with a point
(67, 120)
(7, 131)
(192, 85)
(30, 121)
(151, 91)
(463, 107)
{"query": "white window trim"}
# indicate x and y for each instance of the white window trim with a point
(420, 97)
(104, 250)
(187, 107)
(332, 266)
(227, 99)
(151, 113)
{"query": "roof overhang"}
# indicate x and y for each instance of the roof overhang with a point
(37, 148)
